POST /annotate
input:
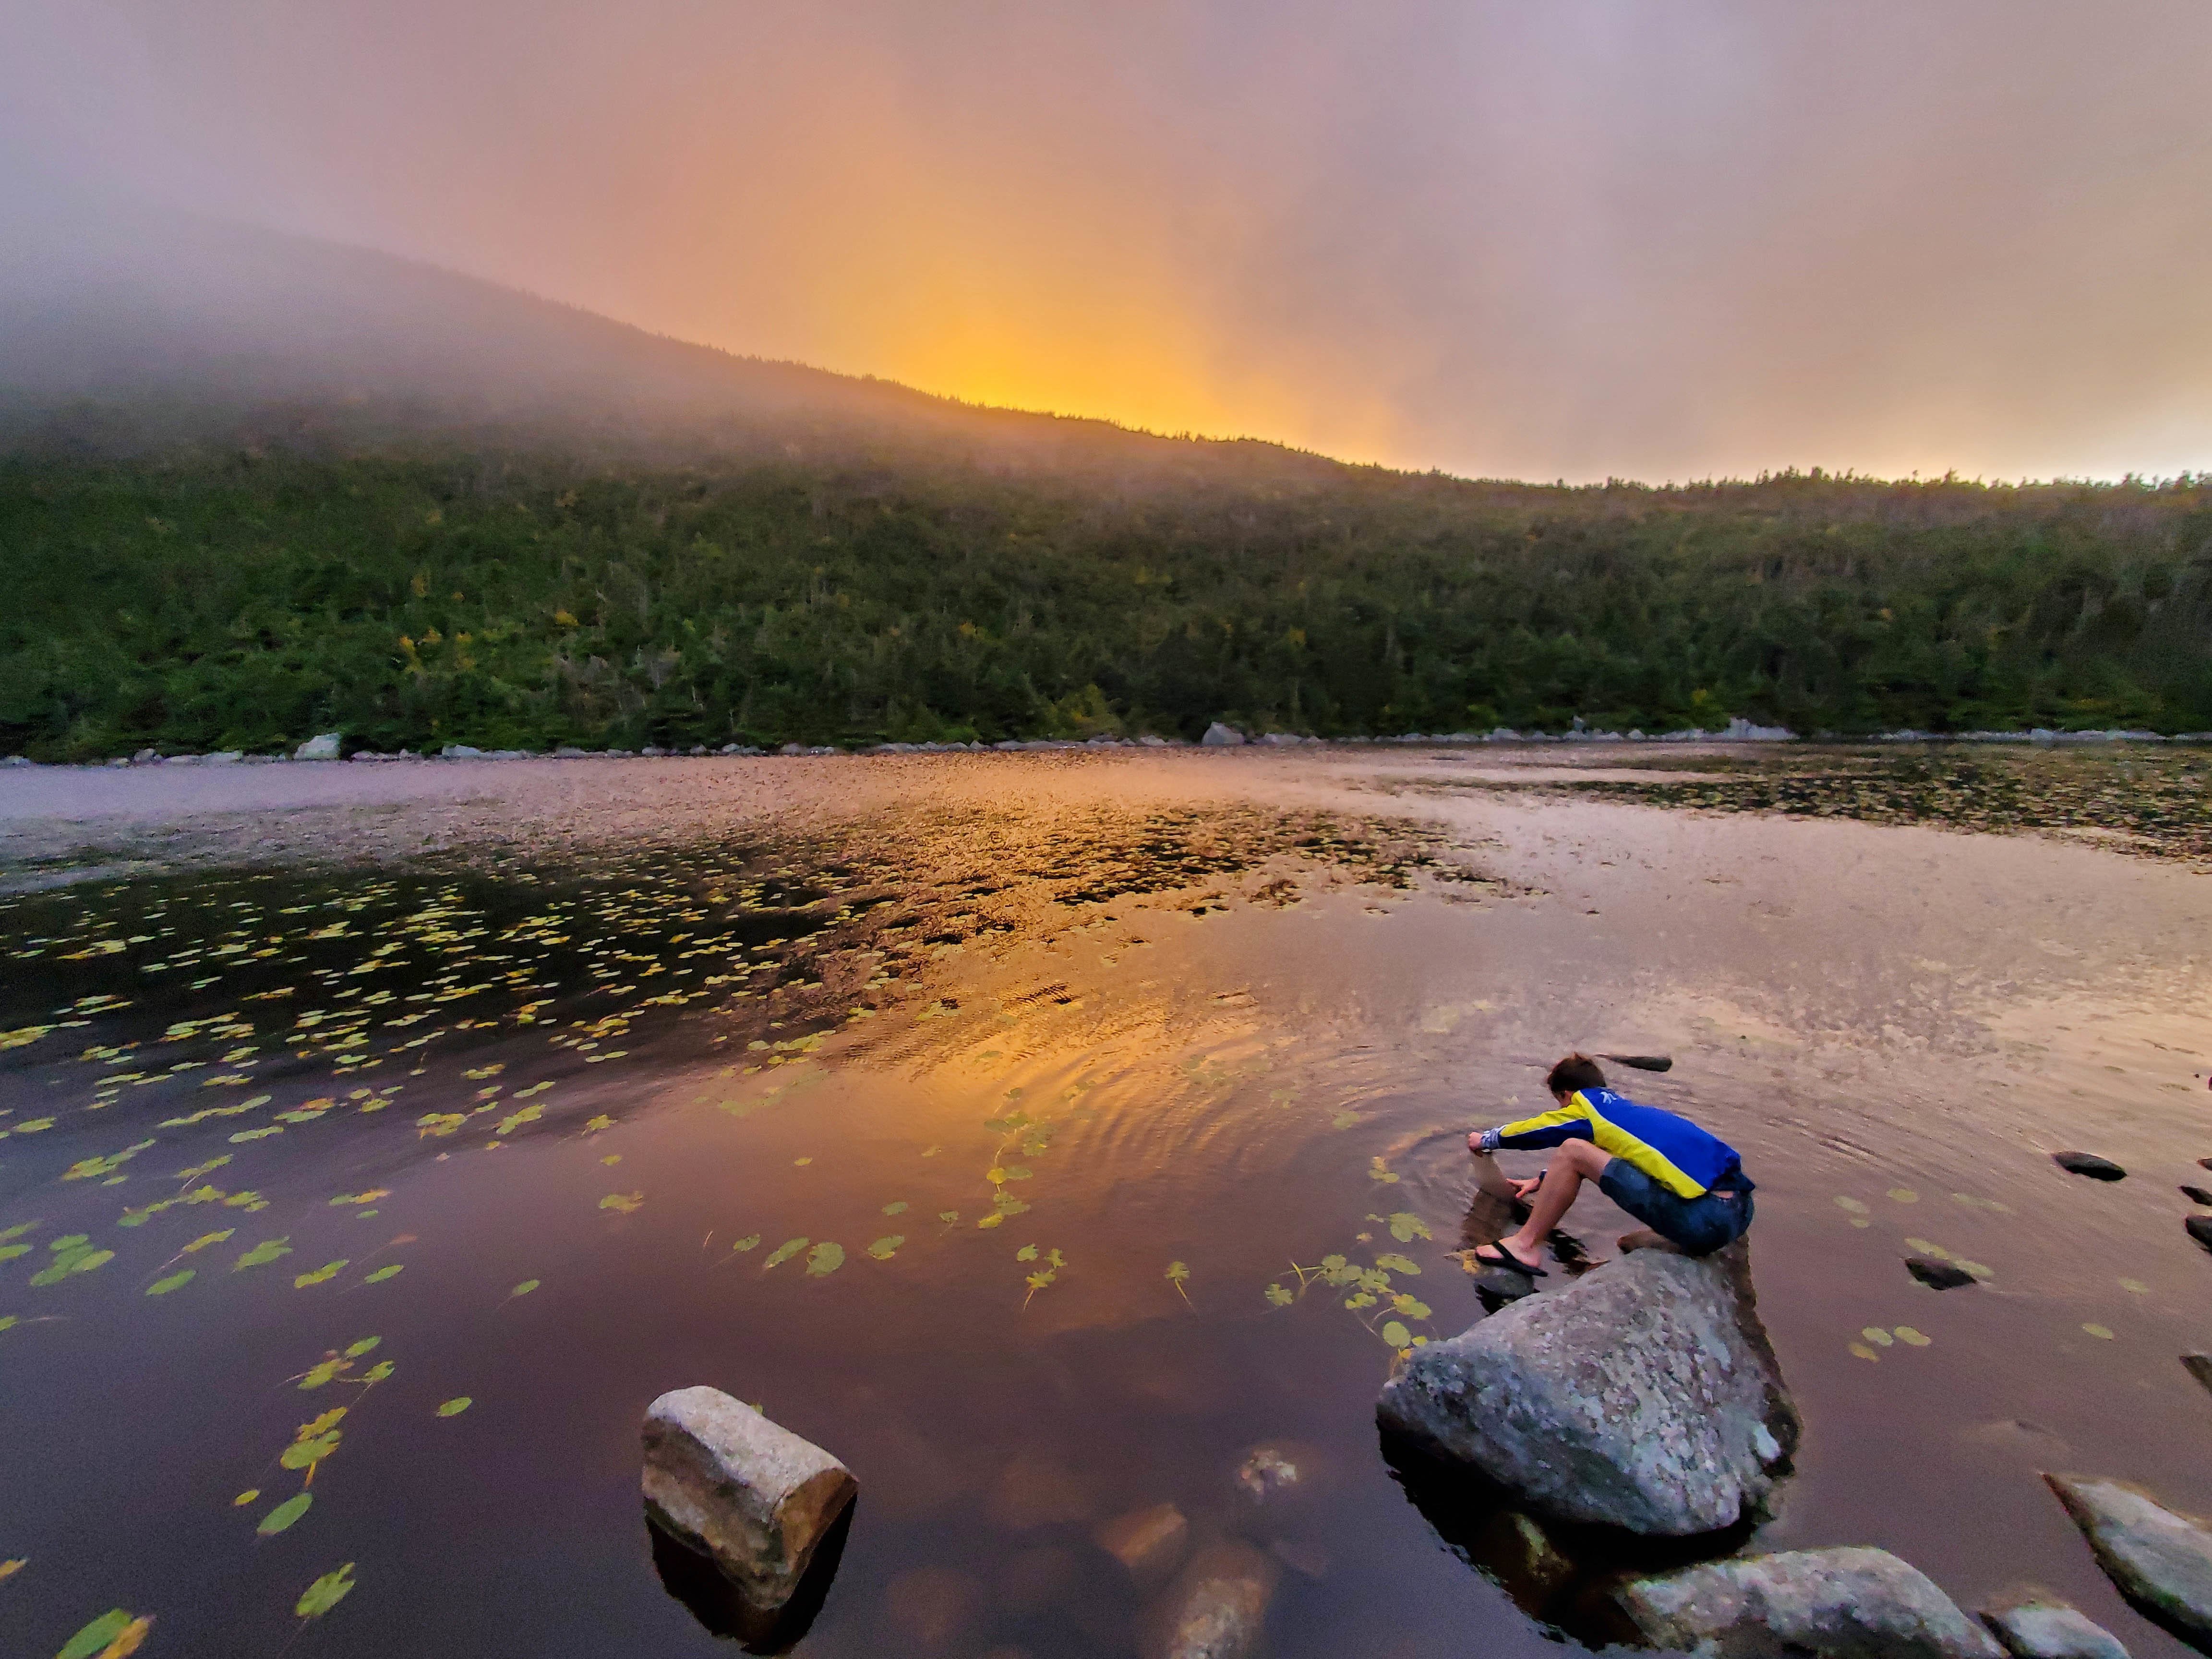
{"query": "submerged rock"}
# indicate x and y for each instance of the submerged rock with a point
(2089, 1164)
(2034, 1623)
(2199, 1227)
(1937, 1275)
(1218, 1607)
(2161, 1561)
(750, 1496)
(1150, 1543)
(1849, 1603)
(1643, 1395)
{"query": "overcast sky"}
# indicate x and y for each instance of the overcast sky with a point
(1660, 239)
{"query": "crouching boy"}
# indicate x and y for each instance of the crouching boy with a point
(1686, 1185)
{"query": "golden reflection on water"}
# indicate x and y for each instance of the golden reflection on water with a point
(1108, 1043)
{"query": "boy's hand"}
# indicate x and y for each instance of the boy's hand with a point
(1526, 1190)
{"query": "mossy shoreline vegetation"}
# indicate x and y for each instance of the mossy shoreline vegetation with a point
(199, 601)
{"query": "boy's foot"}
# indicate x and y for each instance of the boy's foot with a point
(1500, 1256)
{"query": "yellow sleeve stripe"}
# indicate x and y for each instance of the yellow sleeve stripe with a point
(1551, 1120)
(1610, 1138)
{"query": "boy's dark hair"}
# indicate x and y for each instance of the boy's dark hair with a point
(1575, 1072)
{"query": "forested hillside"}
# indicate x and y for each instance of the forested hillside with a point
(219, 596)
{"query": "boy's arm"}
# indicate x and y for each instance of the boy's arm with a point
(1546, 1129)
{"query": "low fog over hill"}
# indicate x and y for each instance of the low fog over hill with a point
(118, 335)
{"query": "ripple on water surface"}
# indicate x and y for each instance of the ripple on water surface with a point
(1046, 1168)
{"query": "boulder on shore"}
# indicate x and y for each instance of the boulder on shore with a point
(1851, 1603)
(1643, 1395)
(2161, 1561)
(2034, 1623)
(750, 1496)
(323, 747)
(1219, 736)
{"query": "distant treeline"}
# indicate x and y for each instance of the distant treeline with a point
(512, 599)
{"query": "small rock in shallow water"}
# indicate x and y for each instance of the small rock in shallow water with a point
(1278, 1473)
(2197, 1195)
(2034, 1623)
(2161, 1561)
(1937, 1275)
(1644, 1062)
(2089, 1164)
(750, 1496)
(1150, 1543)
(2200, 1367)
(1849, 1603)
(2200, 1229)
(1218, 1607)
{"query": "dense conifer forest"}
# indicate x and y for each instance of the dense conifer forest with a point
(197, 597)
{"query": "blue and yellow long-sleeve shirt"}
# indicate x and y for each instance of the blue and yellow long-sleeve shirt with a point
(1670, 1149)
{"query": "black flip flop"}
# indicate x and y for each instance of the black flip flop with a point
(1505, 1258)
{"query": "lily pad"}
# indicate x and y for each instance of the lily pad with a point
(114, 1635)
(823, 1259)
(383, 1273)
(887, 1246)
(174, 1281)
(523, 1288)
(623, 1202)
(266, 1251)
(321, 1275)
(456, 1406)
(324, 1593)
(1397, 1335)
(367, 1345)
(285, 1514)
(783, 1253)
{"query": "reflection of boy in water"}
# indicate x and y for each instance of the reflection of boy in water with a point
(1686, 1185)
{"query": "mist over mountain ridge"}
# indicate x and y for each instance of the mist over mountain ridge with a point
(125, 336)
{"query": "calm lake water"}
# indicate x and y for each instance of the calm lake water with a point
(991, 1136)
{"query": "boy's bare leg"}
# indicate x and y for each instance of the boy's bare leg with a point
(1575, 1162)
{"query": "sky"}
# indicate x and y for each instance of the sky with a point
(1654, 239)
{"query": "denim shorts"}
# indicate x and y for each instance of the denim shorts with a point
(1700, 1225)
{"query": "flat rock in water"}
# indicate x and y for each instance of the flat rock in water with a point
(2161, 1561)
(2196, 1195)
(753, 1498)
(1150, 1543)
(2089, 1164)
(2034, 1623)
(1849, 1603)
(2200, 1229)
(1217, 1608)
(1937, 1275)
(1643, 1395)
(1644, 1062)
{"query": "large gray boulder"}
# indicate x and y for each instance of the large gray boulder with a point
(1219, 736)
(2034, 1623)
(1807, 1604)
(1643, 1395)
(752, 1497)
(2161, 1561)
